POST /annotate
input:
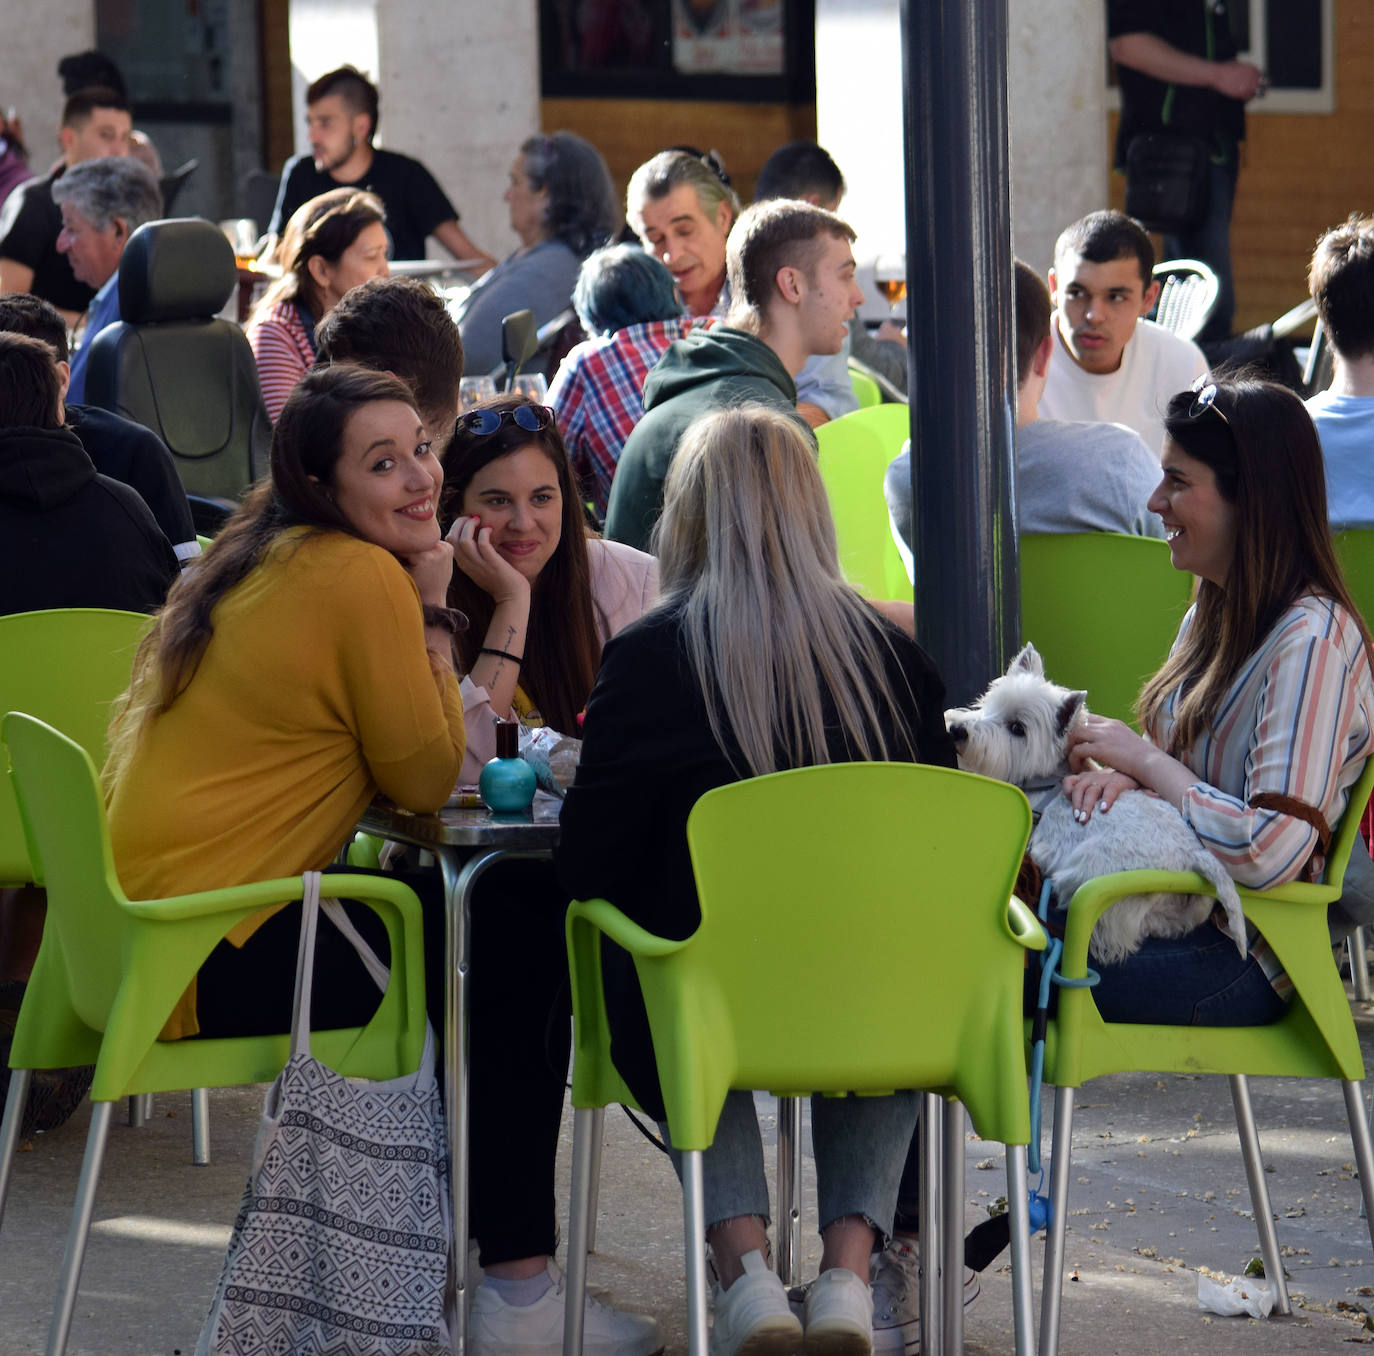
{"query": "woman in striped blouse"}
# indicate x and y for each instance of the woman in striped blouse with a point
(1262, 717)
(331, 244)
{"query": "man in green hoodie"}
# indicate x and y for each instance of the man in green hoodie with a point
(791, 272)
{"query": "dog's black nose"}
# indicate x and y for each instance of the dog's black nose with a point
(958, 733)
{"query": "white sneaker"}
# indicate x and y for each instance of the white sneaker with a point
(752, 1317)
(896, 1275)
(839, 1315)
(537, 1329)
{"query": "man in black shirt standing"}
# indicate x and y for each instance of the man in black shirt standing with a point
(342, 115)
(1178, 70)
(95, 122)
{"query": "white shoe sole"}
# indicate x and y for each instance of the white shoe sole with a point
(838, 1339)
(777, 1335)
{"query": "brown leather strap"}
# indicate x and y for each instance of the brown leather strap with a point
(1299, 809)
(1029, 883)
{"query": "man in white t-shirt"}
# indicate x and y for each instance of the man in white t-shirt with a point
(1341, 280)
(1116, 367)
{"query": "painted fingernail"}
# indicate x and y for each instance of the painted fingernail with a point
(1103, 806)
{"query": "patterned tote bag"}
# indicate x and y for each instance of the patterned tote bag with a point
(341, 1244)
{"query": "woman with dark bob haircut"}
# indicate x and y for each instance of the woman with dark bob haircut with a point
(331, 244)
(541, 598)
(303, 665)
(1261, 719)
(563, 205)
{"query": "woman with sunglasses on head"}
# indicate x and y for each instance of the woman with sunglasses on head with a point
(541, 594)
(331, 244)
(541, 598)
(1262, 717)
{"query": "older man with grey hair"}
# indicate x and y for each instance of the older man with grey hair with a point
(103, 203)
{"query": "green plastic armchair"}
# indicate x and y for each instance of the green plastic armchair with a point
(1315, 1038)
(852, 869)
(1103, 609)
(866, 391)
(855, 452)
(111, 970)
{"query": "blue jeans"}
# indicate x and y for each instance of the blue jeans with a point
(859, 1144)
(1210, 241)
(1197, 980)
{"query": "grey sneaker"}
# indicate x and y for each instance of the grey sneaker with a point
(896, 1276)
(752, 1317)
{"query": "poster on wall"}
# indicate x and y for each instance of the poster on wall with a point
(728, 37)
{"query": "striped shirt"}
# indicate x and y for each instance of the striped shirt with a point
(598, 396)
(283, 353)
(1297, 720)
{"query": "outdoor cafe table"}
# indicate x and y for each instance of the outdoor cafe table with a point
(467, 842)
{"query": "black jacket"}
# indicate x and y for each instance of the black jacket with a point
(648, 755)
(129, 452)
(70, 537)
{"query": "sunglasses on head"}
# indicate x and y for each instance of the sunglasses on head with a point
(481, 423)
(1205, 398)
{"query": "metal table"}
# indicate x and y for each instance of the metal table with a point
(484, 838)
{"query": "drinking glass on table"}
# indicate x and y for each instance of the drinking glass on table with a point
(889, 273)
(473, 389)
(531, 385)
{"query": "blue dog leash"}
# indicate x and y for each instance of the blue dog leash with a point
(1039, 1205)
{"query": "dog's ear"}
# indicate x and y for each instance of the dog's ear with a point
(1068, 711)
(1028, 661)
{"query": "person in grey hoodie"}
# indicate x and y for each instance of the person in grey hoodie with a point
(791, 276)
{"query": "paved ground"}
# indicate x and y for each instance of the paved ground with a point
(1158, 1192)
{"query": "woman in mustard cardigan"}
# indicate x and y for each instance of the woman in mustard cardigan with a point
(304, 664)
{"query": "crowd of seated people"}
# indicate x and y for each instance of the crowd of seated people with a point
(408, 573)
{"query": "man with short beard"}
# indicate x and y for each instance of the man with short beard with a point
(342, 110)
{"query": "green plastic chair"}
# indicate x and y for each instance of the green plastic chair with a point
(855, 451)
(110, 971)
(866, 391)
(1355, 551)
(1315, 1038)
(64, 666)
(850, 869)
(1103, 609)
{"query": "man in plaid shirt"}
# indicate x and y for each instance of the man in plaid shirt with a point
(625, 298)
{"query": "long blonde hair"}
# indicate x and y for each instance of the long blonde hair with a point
(746, 549)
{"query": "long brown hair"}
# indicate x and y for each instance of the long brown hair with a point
(562, 646)
(1260, 444)
(325, 226)
(306, 444)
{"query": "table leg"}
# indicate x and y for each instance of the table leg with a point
(460, 880)
(931, 1131)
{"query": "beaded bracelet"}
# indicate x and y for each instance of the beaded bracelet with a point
(501, 654)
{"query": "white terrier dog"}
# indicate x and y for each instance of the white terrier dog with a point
(1018, 733)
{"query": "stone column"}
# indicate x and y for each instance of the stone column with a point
(1057, 112)
(459, 86)
(32, 51)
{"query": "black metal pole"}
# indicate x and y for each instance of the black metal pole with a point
(959, 290)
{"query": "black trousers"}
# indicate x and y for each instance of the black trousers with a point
(520, 1033)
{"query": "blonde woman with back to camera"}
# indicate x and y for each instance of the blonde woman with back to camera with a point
(759, 658)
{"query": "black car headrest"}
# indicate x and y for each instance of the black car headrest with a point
(180, 269)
